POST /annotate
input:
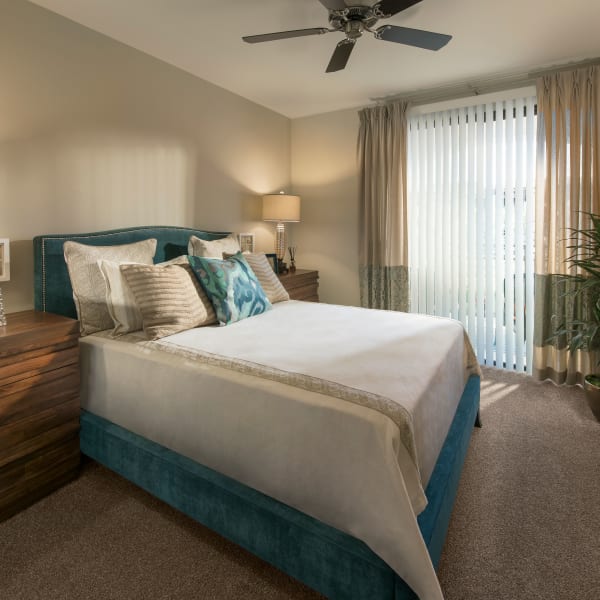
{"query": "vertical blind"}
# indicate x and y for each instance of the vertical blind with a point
(471, 178)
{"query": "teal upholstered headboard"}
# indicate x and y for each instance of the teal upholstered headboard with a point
(52, 286)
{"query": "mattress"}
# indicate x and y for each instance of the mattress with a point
(291, 403)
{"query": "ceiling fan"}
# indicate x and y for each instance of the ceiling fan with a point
(353, 21)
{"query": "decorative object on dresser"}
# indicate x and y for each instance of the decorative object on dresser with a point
(292, 251)
(4, 273)
(246, 241)
(281, 208)
(303, 284)
(39, 407)
(272, 258)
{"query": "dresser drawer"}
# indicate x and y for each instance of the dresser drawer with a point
(39, 407)
(303, 284)
(36, 362)
(31, 433)
(37, 482)
(308, 292)
(19, 472)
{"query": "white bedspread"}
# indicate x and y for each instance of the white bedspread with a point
(299, 403)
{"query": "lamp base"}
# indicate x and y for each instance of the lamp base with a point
(2, 315)
(280, 242)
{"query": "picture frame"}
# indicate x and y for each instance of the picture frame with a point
(4, 259)
(246, 241)
(272, 258)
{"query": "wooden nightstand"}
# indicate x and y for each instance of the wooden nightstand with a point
(39, 407)
(302, 285)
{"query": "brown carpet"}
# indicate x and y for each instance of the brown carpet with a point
(525, 524)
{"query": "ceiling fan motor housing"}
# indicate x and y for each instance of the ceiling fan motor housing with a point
(353, 20)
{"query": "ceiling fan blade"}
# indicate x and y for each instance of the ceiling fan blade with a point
(333, 4)
(412, 37)
(340, 55)
(388, 8)
(283, 35)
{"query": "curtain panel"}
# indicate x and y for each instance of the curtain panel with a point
(568, 189)
(383, 235)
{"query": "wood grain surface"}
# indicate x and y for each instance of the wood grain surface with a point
(302, 285)
(39, 407)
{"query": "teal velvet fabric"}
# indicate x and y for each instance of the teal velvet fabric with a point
(443, 483)
(334, 563)
(52, 286)
(231, 286)
(322, 557)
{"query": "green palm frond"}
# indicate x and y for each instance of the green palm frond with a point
(582, 332)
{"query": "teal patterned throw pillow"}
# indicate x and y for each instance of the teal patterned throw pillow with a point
(231, 286)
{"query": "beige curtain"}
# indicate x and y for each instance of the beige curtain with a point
(568, 186)
(383, 251)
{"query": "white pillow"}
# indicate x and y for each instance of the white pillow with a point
(89, 288)
(215, 248)
(120, 300)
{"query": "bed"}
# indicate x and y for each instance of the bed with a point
(274, 518)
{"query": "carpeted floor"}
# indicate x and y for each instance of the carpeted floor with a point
(524, 525)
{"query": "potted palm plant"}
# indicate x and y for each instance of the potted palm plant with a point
(582, 327)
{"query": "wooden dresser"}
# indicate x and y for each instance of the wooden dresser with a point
(302, 285)
(39, 407)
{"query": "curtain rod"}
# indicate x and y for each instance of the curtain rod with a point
(482, 86)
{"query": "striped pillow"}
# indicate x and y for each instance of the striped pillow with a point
(120, 300)
(169, 298)
(266, 276)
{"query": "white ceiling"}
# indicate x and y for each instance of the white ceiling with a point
(203, 37)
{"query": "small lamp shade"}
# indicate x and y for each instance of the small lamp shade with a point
(281, 208)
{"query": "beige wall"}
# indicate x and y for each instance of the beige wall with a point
(324, 174)
(97, 135)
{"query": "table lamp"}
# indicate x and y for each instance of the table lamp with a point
(281, 208)
(4, 273)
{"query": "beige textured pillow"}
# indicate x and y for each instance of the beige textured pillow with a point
(214, 249)
(120, 300)
(169, 298)
(89, 288)
(266, 277)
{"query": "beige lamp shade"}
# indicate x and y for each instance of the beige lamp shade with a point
(281, 208)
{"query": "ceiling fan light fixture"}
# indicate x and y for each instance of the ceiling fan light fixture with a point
(354, 29)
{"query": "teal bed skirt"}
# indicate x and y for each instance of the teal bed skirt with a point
(334, 563)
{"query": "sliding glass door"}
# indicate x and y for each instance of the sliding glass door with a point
(471, 178)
